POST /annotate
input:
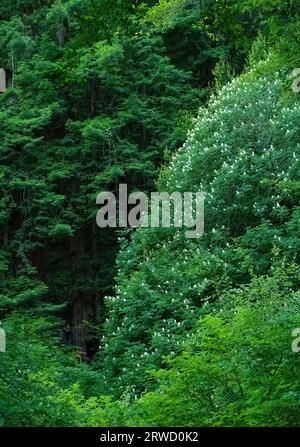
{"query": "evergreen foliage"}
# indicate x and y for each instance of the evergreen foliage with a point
(145, 327)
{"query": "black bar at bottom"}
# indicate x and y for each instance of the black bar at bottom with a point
(97, 437)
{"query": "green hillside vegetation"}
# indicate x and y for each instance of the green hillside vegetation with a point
(146, 327)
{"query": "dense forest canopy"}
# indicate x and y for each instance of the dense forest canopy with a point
(108, 327)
